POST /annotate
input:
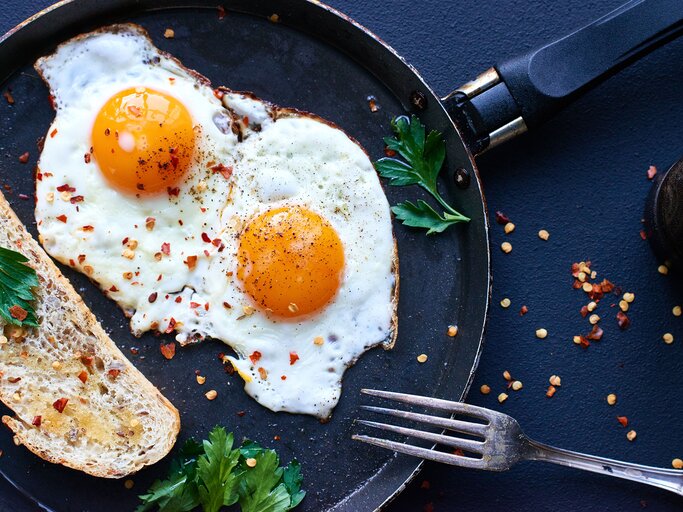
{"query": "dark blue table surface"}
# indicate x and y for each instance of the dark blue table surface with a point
(582, 178)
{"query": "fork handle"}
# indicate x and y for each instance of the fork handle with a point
(669, 479)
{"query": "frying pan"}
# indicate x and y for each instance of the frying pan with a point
(316, 59)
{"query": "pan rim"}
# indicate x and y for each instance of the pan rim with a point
(483, 321)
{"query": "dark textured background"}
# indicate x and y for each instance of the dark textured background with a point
(582, 177)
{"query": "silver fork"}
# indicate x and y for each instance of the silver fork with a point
(503, 444)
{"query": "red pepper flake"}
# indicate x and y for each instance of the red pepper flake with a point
(241, 413)
(178, 299)
(221, 12)
(216, 242)
(125, 241)
(255, 356)
(389, 152)
(65, 188)
(88, 228)
(523, 311)
(72, 263)
(606, 286)
(166, 248)
(76, 199)
(53, 133)
(113, 373)
(13, 380)
(135, 351)
(218, 94)
(206, 238)
(583, 342)
(643, 234)
(191, 262)
(152, 297)
(584, 311)
(651, 172)
(458, 452)
(87, 157)
(207, 253)
(425, 485)
(283, 377)
(51, 99)
(224, 170)
(276, 438)
(37, 420)
(194, 305)
(623, 420)
(501, 218)
(8, 96)
(83, 376)
(226, 305)
(113, 288)
(293, 358)
(595, 334)
(18, 312)
(81, 258)
(168, 350)
(60, 404)
(173, 191)
(169, 329)
(551, 391)
(24, 158)
(87, 360)
(623, 321)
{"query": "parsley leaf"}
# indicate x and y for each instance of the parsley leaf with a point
(16, 283)
(421, 215)
(215, 470)
(215, 475)
(260, 489)
(424, 156)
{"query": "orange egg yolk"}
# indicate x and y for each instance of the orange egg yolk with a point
(143, 141)
(290, 261)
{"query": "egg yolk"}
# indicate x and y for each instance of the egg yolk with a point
(143, 141)
(290, 261)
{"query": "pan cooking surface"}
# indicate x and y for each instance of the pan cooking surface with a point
(444, 279)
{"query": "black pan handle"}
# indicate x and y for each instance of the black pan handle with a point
(523, 92)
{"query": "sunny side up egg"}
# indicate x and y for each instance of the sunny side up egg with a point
(213, 214)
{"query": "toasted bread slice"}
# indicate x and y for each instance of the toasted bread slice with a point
(114, 420)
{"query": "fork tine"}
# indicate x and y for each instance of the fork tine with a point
(464, 427)
(455, 442)
(435, 403)
(424, 453)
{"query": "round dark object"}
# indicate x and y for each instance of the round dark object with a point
(664, 216)
(462, 178)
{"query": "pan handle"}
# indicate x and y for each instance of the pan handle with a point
(523, 92)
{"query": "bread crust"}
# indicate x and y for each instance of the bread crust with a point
(152, 422)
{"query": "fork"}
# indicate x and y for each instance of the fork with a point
(503, 444)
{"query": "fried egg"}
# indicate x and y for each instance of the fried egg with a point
(212, 214)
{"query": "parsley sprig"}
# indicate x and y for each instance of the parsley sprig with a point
(16, 283)
(214, 474)
(424, 156)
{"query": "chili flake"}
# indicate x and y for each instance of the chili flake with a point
(623, 420)
(37, 420)
(83, 376)
(622, 320)
(255, 356)
(60, 404)
(501, 218)
(293, 358)
(191, 262)
(225, 171)
(166, 248)
(18, 312)
(168, 350)
(651, 172)
(62, 218)
(24, 158)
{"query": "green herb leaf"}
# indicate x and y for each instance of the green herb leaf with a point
(261, 489)
(292, 478)
(424, 156)
(215, 475)
(218, 481)
(421, 215)
(16, 283)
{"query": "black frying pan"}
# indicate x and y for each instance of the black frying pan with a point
(316, 59)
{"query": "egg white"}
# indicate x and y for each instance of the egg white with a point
(281, 158)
